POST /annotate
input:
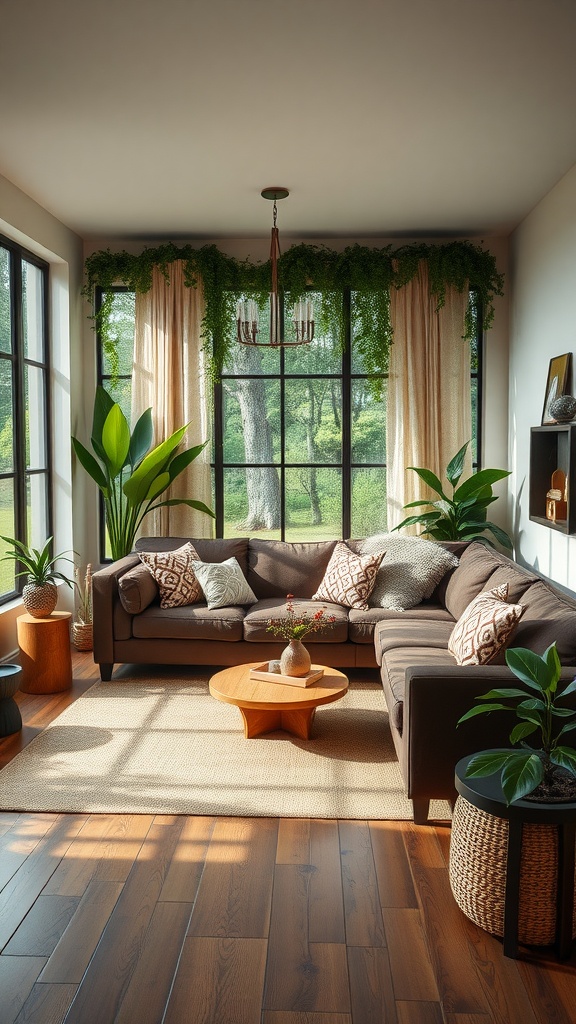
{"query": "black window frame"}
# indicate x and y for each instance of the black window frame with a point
(21, 473)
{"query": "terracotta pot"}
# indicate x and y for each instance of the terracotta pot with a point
(295, 659)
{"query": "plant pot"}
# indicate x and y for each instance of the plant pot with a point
(295, 659)
(82, 635)
(40, 600)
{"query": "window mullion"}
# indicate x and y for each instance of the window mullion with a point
(346, 416)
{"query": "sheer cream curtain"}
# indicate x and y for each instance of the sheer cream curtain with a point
(428, 408)
(169, 375)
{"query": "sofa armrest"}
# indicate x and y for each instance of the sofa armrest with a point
(104, 597)
(436, 697)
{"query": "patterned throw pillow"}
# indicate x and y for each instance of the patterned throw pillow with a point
(413, 567)
(485, 627)
(174, 574)
(223, 583)
(349, 578)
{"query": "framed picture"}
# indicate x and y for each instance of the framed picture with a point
(557, 384)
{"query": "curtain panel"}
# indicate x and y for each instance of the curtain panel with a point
(169, 375)
(428, 416)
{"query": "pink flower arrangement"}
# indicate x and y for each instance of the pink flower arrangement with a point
(296, 627)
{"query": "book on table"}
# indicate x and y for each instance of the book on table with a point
(261, 672)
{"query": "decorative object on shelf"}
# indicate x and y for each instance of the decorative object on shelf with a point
(556, 385)
(10, 717)
(130, 473)
(563, 409)
(463, 516)
(264, 673)
(247, 328)
(557, 496)
(40, 593)
(82, 626)
(544, 773)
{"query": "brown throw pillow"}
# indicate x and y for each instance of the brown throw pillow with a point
(174, 574)
(485, 627)
(137, 589)
(349, 578)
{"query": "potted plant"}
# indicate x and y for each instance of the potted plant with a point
(461, 516)
(40, 594)
(82, 624)
(130, 474)
(546, 771)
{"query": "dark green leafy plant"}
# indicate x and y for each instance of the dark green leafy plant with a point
(369, 273)
(130, 473)
(39, 563)
(536, 707)
(462, 516)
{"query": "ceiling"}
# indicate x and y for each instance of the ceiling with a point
(166, 118)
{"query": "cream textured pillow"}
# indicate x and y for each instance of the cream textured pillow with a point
(224, 583)
(413, 567)
(174, 574)
(349, 578)
(485, 627)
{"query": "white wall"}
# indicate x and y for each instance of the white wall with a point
(543, 325)
(24, 221)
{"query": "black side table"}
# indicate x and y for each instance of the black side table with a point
(486, 794)
(10, 717)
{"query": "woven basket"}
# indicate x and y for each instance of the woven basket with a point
(478, 853)
(82, 636)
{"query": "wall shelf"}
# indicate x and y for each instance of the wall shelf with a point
(551, 448)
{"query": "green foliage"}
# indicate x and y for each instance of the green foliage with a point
(130, 474)
(369, 273)
(39, 564)
(537, 710)
(463, 515)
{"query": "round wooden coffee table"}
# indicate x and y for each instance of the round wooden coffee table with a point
(268, 706)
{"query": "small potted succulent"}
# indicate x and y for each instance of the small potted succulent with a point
(546, 771)
(40, 594)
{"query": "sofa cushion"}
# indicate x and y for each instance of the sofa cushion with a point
(174, 574)
(393, 675)
(194, 622)
(349, 578)
(137, 589)
(477, 563)
(392, 634)
(549, 617)
(277, 568)
(258, 616)
(209, 550)
(411, 570)
(485, 627)
(363, 623)
(223, 583)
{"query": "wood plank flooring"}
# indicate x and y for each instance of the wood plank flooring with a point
(160, 919)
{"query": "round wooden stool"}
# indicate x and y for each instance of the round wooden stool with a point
(45, 653)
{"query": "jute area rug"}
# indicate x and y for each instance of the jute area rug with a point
(157, 742)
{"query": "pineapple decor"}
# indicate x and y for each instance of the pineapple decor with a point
(40, 594)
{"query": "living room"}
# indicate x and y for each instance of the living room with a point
(435, 123)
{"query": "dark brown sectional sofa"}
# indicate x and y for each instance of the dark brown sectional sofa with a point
(426, 691)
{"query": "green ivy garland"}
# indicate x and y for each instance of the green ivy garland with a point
(369, 273)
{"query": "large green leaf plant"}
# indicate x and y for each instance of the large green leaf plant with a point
(461, 515)
(130, 474)
(538, 712)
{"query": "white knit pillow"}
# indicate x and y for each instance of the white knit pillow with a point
(413, 567)
(224, 583)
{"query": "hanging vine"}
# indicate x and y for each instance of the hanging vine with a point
(369, 273)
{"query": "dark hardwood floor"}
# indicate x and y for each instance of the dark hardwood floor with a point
(159, 919)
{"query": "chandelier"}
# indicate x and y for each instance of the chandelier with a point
(247, 309)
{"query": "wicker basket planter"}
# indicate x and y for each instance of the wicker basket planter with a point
(82, 636)
(478, 854)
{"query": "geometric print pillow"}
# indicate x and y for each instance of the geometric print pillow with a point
(484, 627)
(174, 574)
(349, 578)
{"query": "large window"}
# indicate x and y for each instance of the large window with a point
(24, 413)
(299, 435)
